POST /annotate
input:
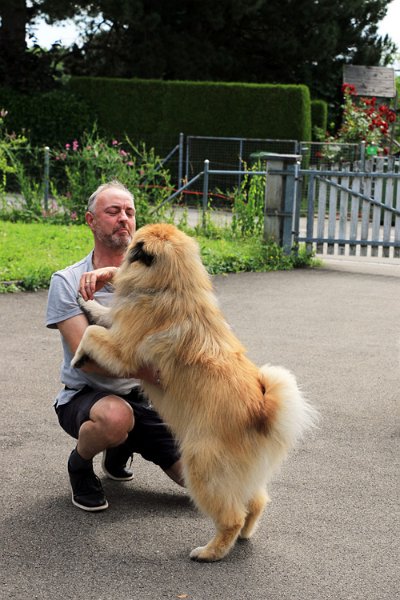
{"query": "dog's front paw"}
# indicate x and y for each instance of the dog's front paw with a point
(85, 305)
(79, 360)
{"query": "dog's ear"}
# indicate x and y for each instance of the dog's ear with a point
(139, 254)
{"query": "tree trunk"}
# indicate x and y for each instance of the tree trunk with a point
(13, 24)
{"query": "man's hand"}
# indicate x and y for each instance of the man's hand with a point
(149, 374)
(92, 281)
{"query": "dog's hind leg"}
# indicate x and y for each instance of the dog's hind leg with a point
(226, 512)
(255, 509)
(224, 539)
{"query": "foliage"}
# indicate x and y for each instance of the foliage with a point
(76, 171)
(363, 120)
(84, 165)
(248, 204)
(319, 117)
(9, 144)
(233, 40)
(229, 40)
(58, 246)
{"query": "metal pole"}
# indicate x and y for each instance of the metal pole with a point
(180, 163)
(362, 155)
(240, 161)
(392, 129)
(205, 191)
(46, 177)
(187, 158)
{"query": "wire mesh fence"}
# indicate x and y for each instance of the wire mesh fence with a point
(184, 158)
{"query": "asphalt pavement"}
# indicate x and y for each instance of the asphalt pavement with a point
(332, 528)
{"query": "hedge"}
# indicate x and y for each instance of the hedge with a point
(141, 108)
(152, 110)
(49, 118)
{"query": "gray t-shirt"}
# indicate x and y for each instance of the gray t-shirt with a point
(62, 304)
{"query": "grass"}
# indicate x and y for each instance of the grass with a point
(31, 252)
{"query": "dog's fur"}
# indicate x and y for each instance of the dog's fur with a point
(234, 422)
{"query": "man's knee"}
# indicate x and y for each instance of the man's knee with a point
(114, 417)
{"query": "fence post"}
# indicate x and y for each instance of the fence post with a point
(240, 161)
(46, 177)
(205, 191)
(280, 191)
(180, 159)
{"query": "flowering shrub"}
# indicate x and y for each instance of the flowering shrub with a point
(81, 166)
(364, 121)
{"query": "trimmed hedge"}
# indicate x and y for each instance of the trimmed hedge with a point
(47, 119)
(149, 110)
(141, 108)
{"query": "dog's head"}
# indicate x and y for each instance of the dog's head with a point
(161, 256)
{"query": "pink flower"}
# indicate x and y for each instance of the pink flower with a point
(115, 142)
(123, 153)
(67, 146)
(74, 215)
(75, 145)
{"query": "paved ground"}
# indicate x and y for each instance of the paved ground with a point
(332, 529)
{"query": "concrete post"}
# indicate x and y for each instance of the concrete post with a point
(280, 190)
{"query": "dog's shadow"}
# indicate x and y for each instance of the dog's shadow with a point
(136, 502)
(53, 522)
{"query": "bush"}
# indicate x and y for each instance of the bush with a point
(319, 117)
(83, 165)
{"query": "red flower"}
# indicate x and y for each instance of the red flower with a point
(349, 88)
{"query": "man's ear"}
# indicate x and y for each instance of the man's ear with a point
(89, 218)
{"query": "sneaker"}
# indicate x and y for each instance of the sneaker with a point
(114, 464)
(87, 491)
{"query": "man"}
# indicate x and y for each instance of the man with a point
(104, 413)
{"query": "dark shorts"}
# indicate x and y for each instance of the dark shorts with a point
(149, 437)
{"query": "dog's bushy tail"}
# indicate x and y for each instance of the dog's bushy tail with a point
(291, 416)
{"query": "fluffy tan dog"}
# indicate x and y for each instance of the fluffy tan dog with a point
(234, 422)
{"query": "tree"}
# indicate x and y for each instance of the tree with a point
(283, 41)
(20, 67)
(265, 41)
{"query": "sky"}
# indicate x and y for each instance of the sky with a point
(68, 34)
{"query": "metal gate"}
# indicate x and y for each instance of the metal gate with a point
(348, 212)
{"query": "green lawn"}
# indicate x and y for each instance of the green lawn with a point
(31, 252)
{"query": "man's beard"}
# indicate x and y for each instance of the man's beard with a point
(113, 240)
